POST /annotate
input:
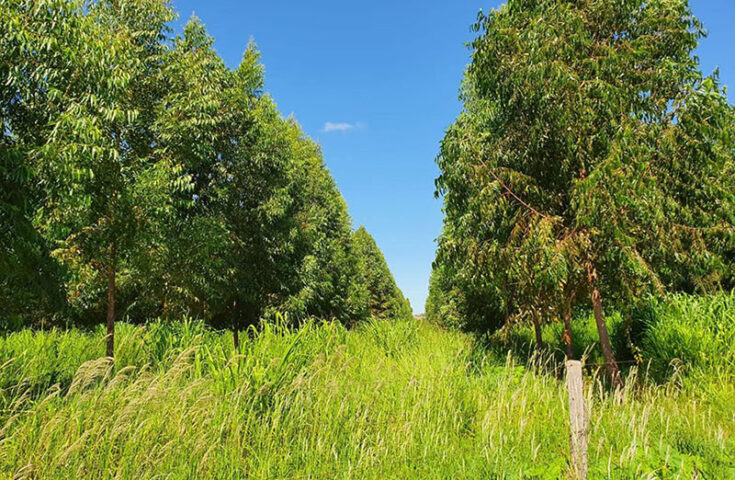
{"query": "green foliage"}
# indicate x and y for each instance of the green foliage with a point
(666, 336)
(395, 399)
(324, 276)
(591, 153)
(97, 165)
(519, 339)
(143, 176)
(692, 332)
(29, 278)
(385, 298)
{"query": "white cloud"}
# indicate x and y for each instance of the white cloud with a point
(340, 126)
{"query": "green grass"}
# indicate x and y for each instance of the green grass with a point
(679, 333)
(401, 400)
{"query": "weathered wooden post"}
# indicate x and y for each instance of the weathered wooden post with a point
(578, 417)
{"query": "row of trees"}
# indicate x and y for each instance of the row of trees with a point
(592, 161)
(142, 177)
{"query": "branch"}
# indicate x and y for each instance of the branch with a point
(510, 192)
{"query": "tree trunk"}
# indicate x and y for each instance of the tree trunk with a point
(537, 331)
(567, 337)
(610, 363)
(111, 305)
(236, 313)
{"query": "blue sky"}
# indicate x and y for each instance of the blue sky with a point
(375, 83)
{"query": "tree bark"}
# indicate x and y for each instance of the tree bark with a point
(567, 337)
(111, 297)
(607, 352)
(236, 313)
(537, 331)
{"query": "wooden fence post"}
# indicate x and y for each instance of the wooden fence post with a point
(578, 416)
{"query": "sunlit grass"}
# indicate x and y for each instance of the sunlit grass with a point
(383, 401)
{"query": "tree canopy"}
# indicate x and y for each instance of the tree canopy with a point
(386, 300)
(142, 177)
(592, 160)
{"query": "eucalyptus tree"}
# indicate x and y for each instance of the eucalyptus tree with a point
(592, 158)
(225, 245)
(182, 270)
(385, 298)
(162, 181)
(327, 280)
(97, 167)
(255, 202)
(262, 228)
(32, 68)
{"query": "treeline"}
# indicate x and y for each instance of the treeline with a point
(591, 166)
(141, 177)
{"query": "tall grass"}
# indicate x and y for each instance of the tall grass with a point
(696, 331)
(666, 335)
(387, 400)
